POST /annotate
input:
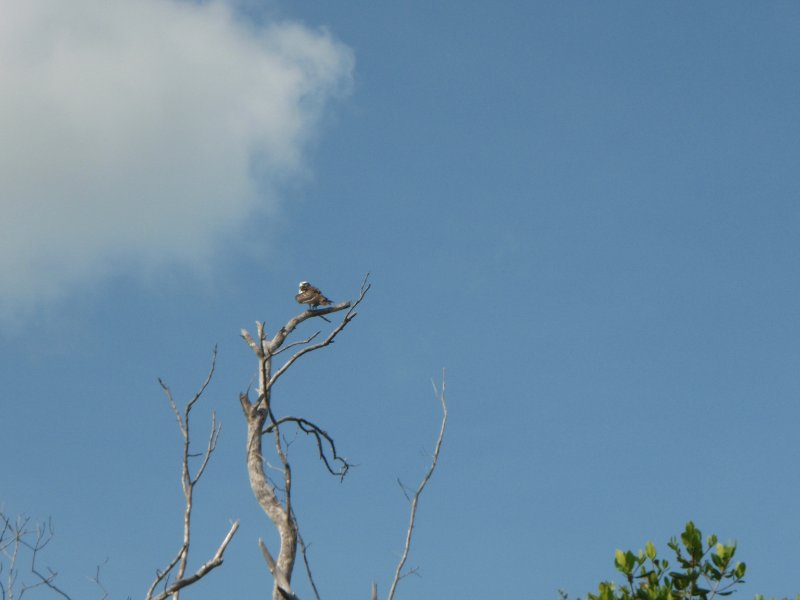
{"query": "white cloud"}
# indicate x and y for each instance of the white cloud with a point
(131, 131)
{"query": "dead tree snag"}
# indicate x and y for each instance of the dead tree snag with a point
(261, 421)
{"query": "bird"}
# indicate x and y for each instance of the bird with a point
(308, 294)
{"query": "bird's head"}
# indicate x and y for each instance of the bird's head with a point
(304, 285)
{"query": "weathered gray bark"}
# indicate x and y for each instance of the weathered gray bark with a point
(268, 500)
(261, 421)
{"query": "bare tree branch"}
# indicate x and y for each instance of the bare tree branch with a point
(403, 489)
(43, 538)
(188, 483)
(211, 446)
(11, 539)
(351, 314)
(292, 324)
(209, 566)
(284, 587)
(297, 343)
(250, 341)
(415, 499)
(304, 552)
(18, 536)
(96, 580)
(319, 434)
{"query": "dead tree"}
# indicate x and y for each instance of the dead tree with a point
(177, 566)
(261, 421)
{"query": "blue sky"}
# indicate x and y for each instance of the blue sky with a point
(587, 212)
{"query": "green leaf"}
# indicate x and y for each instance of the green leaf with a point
(630, 562)
(692, 539)
(619, 560)
(650, 550)
(718, 559)
(739, 570)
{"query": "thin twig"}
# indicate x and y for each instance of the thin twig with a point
(96, 580)
(403, 489)
(304, 552)
(42, 539)
(310, 428)
(297, 343)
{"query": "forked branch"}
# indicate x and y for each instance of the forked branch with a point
(188, 482)
(351, 314)
(18, 537)
(209, 566)
(268, 348)
(398, 574)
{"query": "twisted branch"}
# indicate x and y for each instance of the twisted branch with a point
(310, 428)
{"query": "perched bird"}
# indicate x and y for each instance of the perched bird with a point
(308, 294)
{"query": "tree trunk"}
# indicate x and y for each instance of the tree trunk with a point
(265, 495)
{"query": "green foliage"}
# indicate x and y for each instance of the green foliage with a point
(701, 571)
